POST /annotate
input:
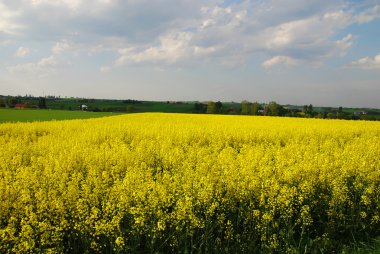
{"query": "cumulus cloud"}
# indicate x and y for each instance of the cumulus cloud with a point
(74, 5)
(298, 32)
(4, 43)
(170, 49)
(45, 65)
(22, 52)
(8, 24)
(280, 60)
(367, 63)
(60, 47)
(40, 68)
(368, 15)
(341, 46)
(104, 69)
(214, 33)
(186, 32)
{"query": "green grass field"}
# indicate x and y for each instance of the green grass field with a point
(30, 115)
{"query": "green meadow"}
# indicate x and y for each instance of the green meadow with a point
(31, 115)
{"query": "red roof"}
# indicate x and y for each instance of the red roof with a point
(20, 105)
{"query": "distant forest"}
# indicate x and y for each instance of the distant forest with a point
(210, 107)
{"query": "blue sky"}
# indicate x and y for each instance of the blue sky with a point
(289, 51)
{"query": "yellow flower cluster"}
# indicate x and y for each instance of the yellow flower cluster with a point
(188, 183)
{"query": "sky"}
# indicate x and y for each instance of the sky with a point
(324, 53)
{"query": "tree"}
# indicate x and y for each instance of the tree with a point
(211, 108)
(266, 111)
(3, 102)
(320, 115)
(275, 109)
(305, 109)
(218, 107)
(42, 102)
(12, 101)
(331, 115)
(199, 108)
(244, 107)
(310, 109)
(255, 108)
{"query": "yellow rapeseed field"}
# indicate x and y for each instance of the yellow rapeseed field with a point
(158, 183)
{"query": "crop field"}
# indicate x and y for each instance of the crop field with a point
(177, 183)
(30, 115)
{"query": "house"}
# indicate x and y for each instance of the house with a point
(83, 107)
(21, 106)
(360, 113)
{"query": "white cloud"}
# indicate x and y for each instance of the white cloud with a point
(214, 35)
(171, 48)
(343, 45)
(48, 62)
(69, 3)
(7, 20)
(368, 15)
(308, 31)
(367, 63)
(22, 52)
(46, 65)
(5, 42)
(42, 66)
(204, 51)
(186, 32)
(104, 69)
(74, 48)
(60, 47)
(280, 60)
(74, 5)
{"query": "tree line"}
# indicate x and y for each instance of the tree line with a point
(274, 109)
(243, 108)
(246, 108)
(27, 102)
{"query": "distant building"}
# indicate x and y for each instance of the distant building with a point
(83, 107)
(21, 106)
(360, 113)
